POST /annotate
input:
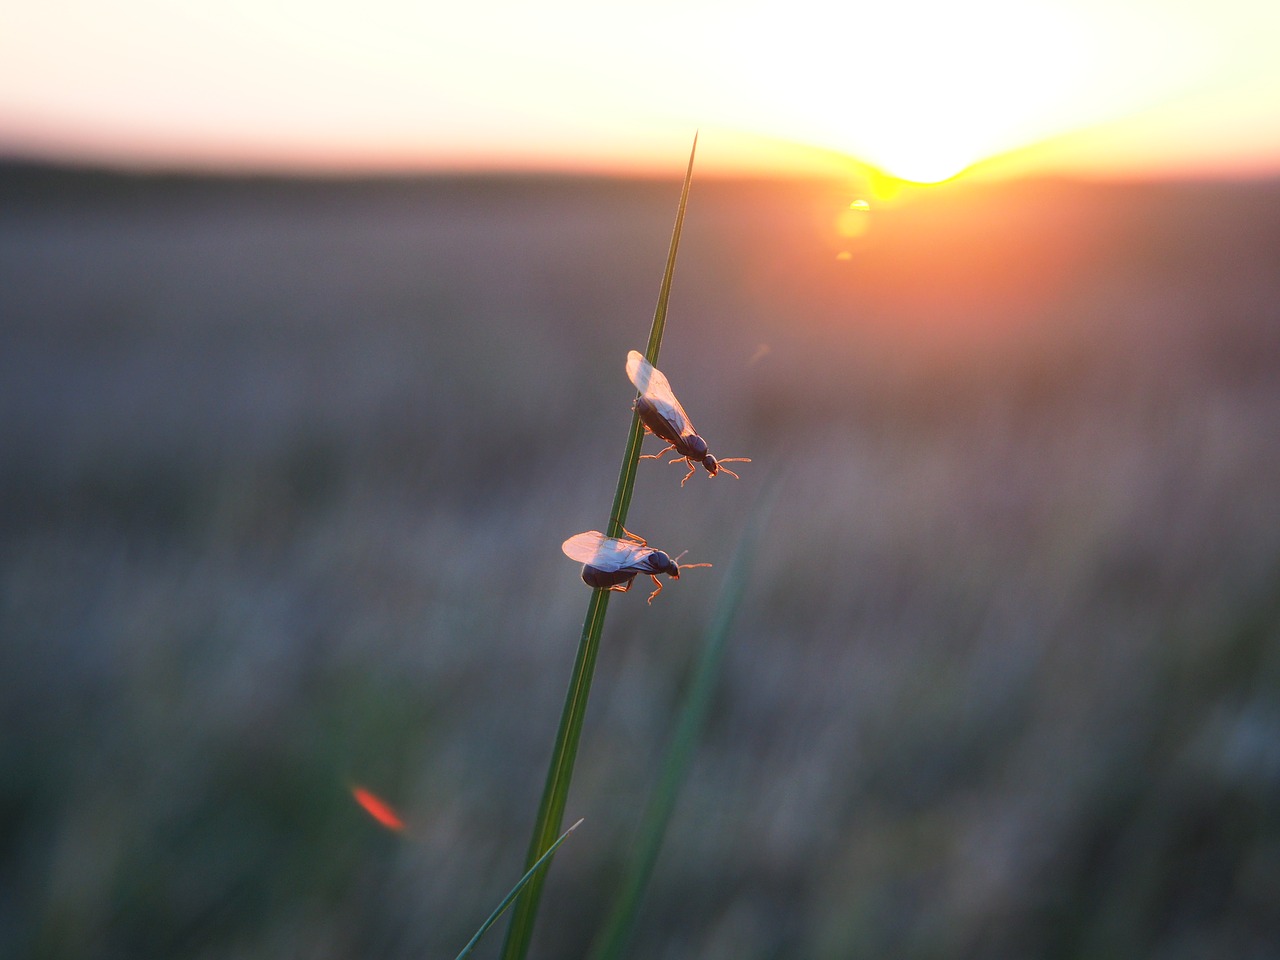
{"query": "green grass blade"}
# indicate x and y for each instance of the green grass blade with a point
(664, 294)
(631, 457)
(560, 770)
(515, 891)
(611, 943)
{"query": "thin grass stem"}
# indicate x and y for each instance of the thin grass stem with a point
(515, 892)
(560, 770)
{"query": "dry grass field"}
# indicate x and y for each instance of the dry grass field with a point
(284, 472)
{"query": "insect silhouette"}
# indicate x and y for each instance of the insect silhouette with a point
(612, 563)
(662, 415)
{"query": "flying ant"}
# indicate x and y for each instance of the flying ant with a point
(662, 415)
(612, 563)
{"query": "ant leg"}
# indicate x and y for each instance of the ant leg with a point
(631, 536)
(693, 468)
(656, 592)
(659, 454)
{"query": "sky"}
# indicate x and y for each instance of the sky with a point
(920, 89)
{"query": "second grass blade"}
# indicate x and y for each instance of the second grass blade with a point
(515, 891)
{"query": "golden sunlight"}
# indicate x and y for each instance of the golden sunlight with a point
(922, 95)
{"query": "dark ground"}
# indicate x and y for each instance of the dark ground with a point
(284, 471)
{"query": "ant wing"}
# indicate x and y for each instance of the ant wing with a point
(655, 388)
(604, 553)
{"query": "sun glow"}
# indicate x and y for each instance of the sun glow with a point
(920, 92)
(926, 90)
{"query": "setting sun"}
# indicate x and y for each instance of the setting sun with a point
(921, 96)
(925, 93)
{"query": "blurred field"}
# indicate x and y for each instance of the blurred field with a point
(285, 471)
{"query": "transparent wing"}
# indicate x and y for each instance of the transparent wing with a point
(604, 553)
(655, 388)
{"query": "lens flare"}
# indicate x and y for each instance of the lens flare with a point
(377, 808)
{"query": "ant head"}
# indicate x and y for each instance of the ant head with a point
(714, 466)
(663, 563)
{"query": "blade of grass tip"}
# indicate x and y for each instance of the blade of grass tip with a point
(515, 891)
(611, 943)
(560, 769)
(631, 457)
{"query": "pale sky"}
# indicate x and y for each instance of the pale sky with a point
(923, 89)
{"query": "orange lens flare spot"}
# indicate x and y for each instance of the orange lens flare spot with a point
(852, 222)
(377, 808)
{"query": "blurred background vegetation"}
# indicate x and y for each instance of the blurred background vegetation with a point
(285, 470)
